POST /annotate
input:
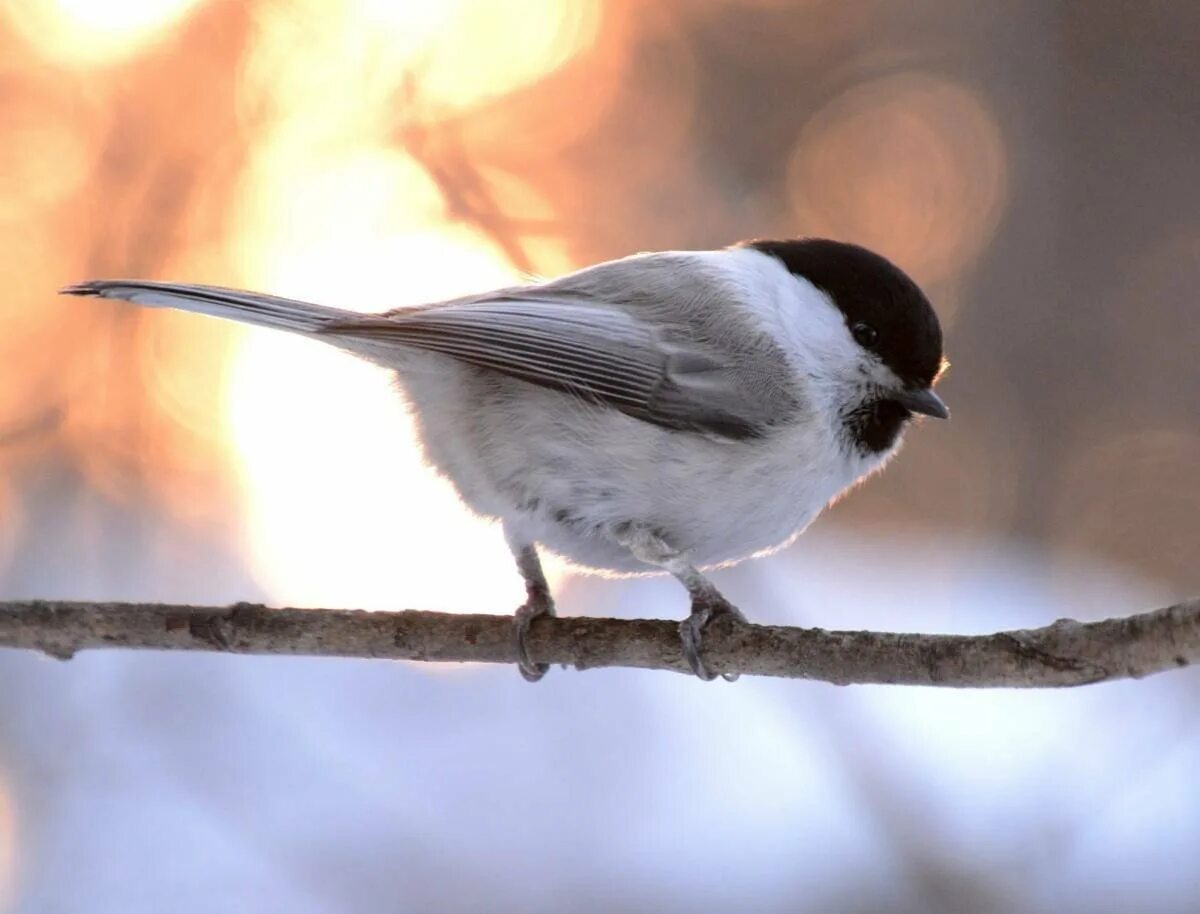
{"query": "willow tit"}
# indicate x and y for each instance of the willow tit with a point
(674, 411)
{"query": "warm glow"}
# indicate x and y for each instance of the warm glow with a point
(83, 32)
(407, 59)
(489, 48)
(340, 508)
(910, 165)
(42, 160)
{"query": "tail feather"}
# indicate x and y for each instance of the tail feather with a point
(249, 307)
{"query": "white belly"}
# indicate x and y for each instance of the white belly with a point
(567, 475)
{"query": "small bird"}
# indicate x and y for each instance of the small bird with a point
(664, 412)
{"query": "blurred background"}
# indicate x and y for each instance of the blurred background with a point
(1032, 164)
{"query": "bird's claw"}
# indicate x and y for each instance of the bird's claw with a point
(704, 610)
(538, 604)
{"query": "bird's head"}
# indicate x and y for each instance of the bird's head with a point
(879, 349)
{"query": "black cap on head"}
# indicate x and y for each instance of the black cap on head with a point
(870, 290)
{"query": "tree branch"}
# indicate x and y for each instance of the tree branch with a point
(1066, 653)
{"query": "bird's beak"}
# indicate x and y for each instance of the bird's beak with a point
(922, 400)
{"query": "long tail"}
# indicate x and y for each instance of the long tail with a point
(249, 307)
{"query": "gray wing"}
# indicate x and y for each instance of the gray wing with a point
(593, 336)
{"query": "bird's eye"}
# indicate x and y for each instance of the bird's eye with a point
(866, 335)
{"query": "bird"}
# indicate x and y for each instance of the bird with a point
(668, 412)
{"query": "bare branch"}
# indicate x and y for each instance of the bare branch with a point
(1063, 654)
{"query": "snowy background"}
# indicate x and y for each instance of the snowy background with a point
(144, 782)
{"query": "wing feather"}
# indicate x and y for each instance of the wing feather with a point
(658, 340)
(604, 353)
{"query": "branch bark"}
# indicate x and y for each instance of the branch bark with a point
(1066, 653)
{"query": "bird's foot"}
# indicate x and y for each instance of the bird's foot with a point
(705, 608)
(538, 604)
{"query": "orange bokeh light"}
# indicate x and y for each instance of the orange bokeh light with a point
(339, 506)
(82, 33)
(910, 165)
(298, 186)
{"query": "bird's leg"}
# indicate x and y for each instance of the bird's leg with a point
(538, 602)
(707, 602)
